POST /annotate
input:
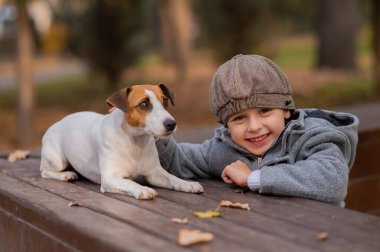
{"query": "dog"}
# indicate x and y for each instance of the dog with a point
(115, 148)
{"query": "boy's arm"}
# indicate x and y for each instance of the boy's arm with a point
(185, 160)
(321, 172)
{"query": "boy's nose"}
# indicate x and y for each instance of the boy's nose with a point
(254, 125)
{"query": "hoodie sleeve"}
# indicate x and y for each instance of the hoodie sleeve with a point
(185, 160)
(319, 169)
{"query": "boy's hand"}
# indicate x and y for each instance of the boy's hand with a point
(236, 173)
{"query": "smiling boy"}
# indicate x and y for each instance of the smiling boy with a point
(255, 130)
(265, 143)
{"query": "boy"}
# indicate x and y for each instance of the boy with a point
(265, 143)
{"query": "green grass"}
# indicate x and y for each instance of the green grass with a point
(296, 52)
(69, 91)
(339, 93)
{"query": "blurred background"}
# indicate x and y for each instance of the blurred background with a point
(63, 56)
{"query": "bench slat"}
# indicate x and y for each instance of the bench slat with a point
(79, 227)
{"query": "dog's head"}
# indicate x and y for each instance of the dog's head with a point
(144, 107)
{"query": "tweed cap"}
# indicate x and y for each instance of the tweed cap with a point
(248, 81)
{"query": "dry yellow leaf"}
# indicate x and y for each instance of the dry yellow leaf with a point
(322, 236)
(226, 203)
(18, 155)
(179, 221)
(74, 203)
(187, 237)
(207, 214)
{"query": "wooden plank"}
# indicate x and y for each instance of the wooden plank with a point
(79, 227)
(251, 236)
(375, 212)
(242, 239)
(325, 210)
(278, 228)
(369, 226)
(364, 193)
(13, 231)
(366, 162)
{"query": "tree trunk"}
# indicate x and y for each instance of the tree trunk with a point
(176, 33)
(25, 78)
(376, 45)
(337, 30)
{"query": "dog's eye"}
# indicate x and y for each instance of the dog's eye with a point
(144, 105)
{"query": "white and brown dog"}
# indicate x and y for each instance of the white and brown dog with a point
(113, 149)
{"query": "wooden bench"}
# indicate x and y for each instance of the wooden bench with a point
(364, 186)
(35, 216)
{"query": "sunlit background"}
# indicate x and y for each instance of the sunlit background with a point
(62, 56)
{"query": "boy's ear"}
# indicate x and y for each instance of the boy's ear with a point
(167, 92)
(287, 113)
(119, 99)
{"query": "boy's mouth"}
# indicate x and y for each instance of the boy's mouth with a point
(259, 139)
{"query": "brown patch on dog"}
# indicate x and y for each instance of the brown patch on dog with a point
(129, 100)
(119, 99)
(135, 116)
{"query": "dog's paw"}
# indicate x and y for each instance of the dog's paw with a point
(145, 193)
(69, 176)
(191, 187)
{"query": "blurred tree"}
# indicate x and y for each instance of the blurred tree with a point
(376, 45)
(25, 92)
(176, 33)
(338, 24)
(108, 37)
(295, 16)
(234, 27)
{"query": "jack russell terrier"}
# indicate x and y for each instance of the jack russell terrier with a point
(115, 148)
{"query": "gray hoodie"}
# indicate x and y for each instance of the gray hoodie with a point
(311, 158)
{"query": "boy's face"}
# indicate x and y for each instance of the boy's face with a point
(256, 129)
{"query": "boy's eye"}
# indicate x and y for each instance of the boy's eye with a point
(265, 110)
(238, 118)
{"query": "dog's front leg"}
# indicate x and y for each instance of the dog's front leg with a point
(161, 178)
(126, 186)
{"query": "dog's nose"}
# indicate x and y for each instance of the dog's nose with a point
(170, 124)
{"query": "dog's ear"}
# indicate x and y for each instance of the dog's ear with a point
(167, 92)
(119, 99)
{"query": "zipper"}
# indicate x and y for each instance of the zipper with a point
(259, 159)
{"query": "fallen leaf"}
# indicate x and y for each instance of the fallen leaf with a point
(226, 203)
(322, 236)
(18, 155)
(74, 203)
(207, 214)
(187, 237)
(179, 221)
